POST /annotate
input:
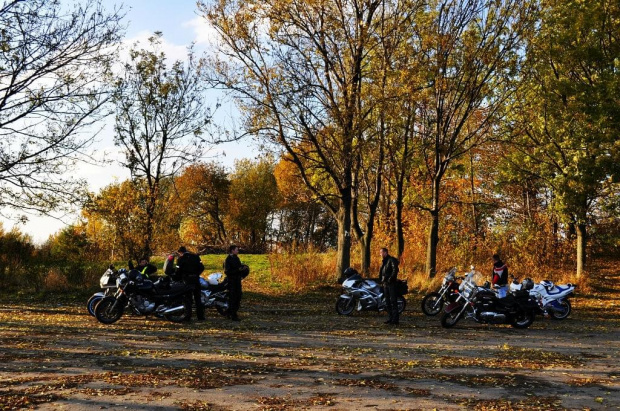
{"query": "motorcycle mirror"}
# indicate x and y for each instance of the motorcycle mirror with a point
(472, 267)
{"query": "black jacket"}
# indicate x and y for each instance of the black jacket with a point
(232, 266)
(189, 265)
(389, 270)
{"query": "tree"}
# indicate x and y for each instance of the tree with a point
(161, 115)
(300, 71)
(302, 220)
(203, 191)
(52, 66)
(471, 51)
(569, 111)
(253, 199)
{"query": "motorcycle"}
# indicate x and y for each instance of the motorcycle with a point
(433, 303)
(366, 295)
(214, 292)
(108, 283)
(483, 305)
(163, 298)
(552, 299)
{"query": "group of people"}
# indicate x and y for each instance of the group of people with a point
(189, 268)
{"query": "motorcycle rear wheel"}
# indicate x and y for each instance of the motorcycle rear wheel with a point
(523, 319)
(345, 306)
(565, 313)
(432, 304)
(92, 302)
(222, 310)
(178, 316)
(449, 320)
(108, 311)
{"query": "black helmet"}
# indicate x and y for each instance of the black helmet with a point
(350, 272)
(527, 284)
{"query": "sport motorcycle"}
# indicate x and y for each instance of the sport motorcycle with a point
(163, 298)
(552, 299)
(366, 295)
(483, 305)
(433, 302)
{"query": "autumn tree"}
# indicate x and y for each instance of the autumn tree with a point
(253, 199)
(52, 64)
(470, 52)
(161, 116)
(300, 71)
(303, 222)
(202, 192)
(568, 113)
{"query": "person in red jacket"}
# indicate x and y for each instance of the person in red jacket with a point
(500, 275)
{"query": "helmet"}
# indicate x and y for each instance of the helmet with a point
(547, 284)
(527, 283)
(350, 272)
(214, 279)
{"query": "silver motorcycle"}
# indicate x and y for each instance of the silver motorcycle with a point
(366, 295)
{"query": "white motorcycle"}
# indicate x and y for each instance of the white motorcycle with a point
(552, 299)
(366, 295)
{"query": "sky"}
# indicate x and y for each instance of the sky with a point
(181, 25)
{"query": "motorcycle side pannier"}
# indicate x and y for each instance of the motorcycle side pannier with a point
(401, 287)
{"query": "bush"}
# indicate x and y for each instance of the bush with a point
(55, 281)
(302, 270)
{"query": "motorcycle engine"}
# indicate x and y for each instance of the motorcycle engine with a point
(142, 304)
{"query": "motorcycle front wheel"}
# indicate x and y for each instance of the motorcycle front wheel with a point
(92, 302)
(402, 303)
(564, 311)
(177, 316)
(432, 304)
(345, 306)
(108, 311)
(450, 319)
(523, 319)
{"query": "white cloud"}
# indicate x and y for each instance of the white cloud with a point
(205, 34)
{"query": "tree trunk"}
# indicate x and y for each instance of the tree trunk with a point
(343, 260)
(433, 233)
(400, 236)
(581, 249)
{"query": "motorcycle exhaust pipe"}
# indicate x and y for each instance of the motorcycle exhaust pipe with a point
(174, 309)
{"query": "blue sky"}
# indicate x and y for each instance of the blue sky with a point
(181, 25)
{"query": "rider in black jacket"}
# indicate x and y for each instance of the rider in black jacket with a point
(387, 276)
(235, 272)
(189, 269)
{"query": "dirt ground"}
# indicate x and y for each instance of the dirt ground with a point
(295, 352)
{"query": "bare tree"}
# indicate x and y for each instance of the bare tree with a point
(52, 66)
(161, 116)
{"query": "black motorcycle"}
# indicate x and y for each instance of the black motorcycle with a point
(432, 303)
(164, 298)
(483, 305)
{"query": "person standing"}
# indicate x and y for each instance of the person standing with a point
(387, 276)
(500, 276)
(235, 272)
(189, 269)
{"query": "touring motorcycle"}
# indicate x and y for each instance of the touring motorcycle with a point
(214, 292)
(552, 299)
(483, 305)
(366, 295)
(162, 298)
(433, 302)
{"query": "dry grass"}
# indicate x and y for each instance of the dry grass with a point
(301, 270)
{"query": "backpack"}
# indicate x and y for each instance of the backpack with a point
(169, 267)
